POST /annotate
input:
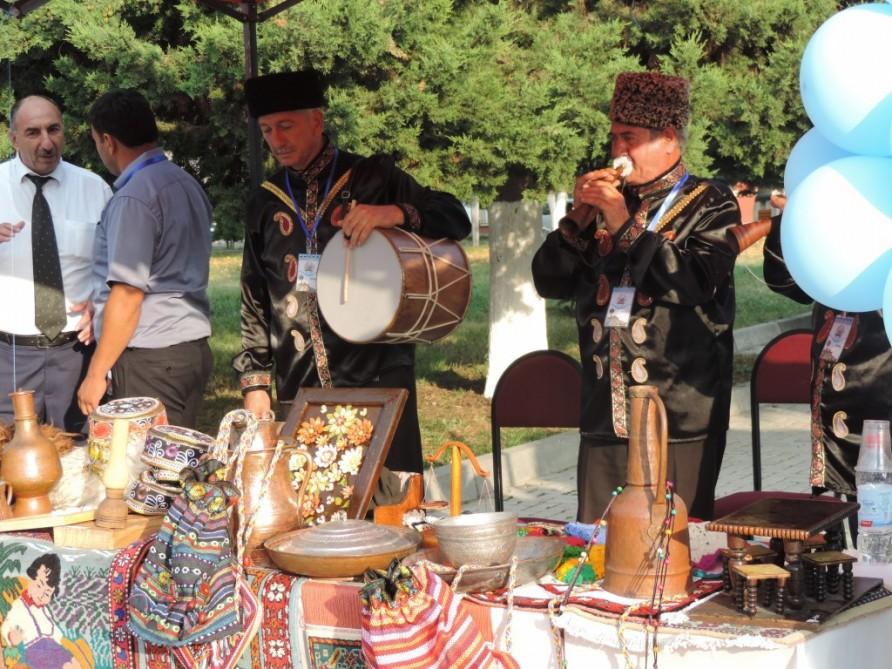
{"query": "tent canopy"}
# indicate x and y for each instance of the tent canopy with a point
(248, 11)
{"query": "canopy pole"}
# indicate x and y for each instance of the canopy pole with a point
(255, 160)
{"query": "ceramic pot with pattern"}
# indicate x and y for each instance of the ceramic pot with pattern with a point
(141, 414)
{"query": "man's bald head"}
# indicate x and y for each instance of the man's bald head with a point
(37, 133)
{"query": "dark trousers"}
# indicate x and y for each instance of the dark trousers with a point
(693, 469)
(405, 450)
(54, 374)
(177, 375)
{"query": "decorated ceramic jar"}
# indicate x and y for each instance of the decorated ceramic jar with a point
(149, 498)
(141, 414)
(170, 448)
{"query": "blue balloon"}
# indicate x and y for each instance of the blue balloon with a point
(846, 79)
(837, 232)
(811, 151)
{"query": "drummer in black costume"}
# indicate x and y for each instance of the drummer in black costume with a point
(291, 218)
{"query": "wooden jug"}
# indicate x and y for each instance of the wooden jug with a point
(636, 518)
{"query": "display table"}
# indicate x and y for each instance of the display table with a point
(856, 639)
(313, 624)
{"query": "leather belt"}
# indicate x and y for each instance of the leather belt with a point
(39, 341)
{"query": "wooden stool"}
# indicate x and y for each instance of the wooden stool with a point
(753, 554)
(747, 582)
(822, 574)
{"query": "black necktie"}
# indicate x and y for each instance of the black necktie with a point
(49, 299)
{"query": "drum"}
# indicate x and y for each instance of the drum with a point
(398, 287)
(141, 413)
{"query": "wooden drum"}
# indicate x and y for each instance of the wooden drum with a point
(398, 287)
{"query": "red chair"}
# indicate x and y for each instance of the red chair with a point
(781, 375)
(539, 389)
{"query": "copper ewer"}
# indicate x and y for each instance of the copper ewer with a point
(635, 521)
(274, 508)
(30, 463)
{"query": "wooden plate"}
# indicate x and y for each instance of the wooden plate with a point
(341, 548)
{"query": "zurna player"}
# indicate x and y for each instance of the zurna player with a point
(648, 261)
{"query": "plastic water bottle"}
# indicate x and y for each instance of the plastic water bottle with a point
(873, 477)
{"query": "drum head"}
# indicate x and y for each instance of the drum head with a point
(373, 287)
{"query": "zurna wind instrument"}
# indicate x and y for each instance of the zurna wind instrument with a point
(583, 214)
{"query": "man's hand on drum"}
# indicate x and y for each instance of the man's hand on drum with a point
(600, 189)
(363, 218)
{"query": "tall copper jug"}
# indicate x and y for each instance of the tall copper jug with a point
(275, 507)
(636, 519)
(30, 462)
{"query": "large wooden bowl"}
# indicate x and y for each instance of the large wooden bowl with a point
(341, 548)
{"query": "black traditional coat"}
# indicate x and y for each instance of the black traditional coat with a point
(679, 337)
(275, 320)
(844, 393)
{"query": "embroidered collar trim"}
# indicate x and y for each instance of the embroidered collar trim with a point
(318, 164)
(661, 185)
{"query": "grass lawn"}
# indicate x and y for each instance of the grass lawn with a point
(452, 372)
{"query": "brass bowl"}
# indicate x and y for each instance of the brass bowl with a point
(536, 556)
(480, 539)
(340, 549)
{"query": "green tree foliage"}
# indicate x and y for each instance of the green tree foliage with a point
(465, 93)
(743, 61)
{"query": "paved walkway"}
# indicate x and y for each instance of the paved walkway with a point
(785, 459)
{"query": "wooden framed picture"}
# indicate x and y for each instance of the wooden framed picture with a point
(347, 433)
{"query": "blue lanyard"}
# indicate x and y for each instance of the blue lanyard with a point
(303, 224)
(151, 160)
(668, 201)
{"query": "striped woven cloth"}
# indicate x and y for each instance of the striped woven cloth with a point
(423, 626)
(185, 589)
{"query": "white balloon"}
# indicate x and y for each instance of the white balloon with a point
(837, 232)
(846, 79)
(810, 152)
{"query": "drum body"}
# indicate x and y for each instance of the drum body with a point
(396, 288)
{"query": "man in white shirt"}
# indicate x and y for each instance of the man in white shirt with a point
(48, 215)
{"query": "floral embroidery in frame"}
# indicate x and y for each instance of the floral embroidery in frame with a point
(337, 441)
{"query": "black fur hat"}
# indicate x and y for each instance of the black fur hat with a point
(284, 91)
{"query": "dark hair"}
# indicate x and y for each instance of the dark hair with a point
(124, 114)
(18, 105)
(51, 562)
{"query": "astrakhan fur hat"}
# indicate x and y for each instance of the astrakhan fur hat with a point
(650, 100)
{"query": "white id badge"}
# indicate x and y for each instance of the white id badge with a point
(619, 311)
(307, 269)
(836, 340)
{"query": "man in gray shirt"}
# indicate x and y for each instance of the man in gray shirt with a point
(152, 254)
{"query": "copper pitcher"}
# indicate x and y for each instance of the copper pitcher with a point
(275, 509)
(30, 462)
(635, 523)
